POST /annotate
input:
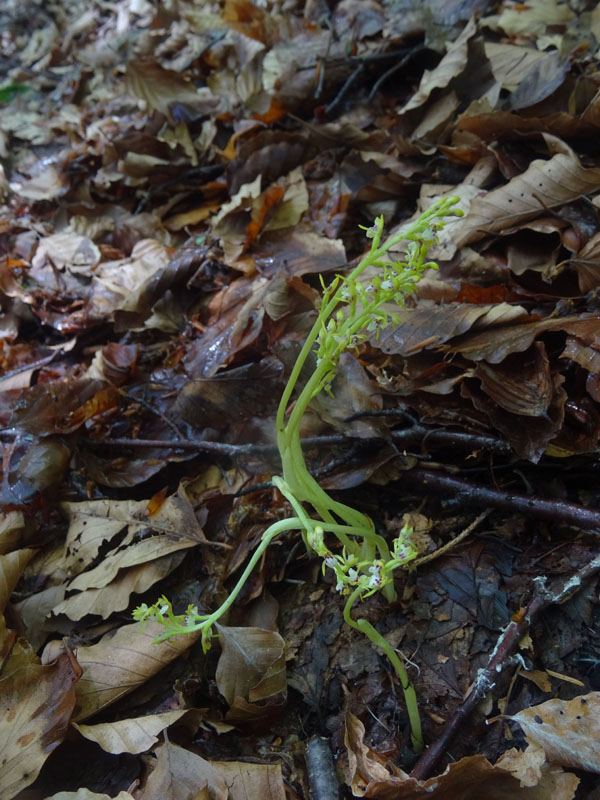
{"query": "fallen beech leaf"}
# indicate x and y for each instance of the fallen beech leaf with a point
(36, 703)
(87, 794)
(11, 567)
(521, 384)
(162, 88)
(134, 735)
(520, 775)
(120, 662)
(430, 325)
(68, 250)
(245, 780)
(495, 344)
(544, 184)
(182, 775)
(252, 663)
(568, 730)
(95, 523)
(451, 66)
(115, 595)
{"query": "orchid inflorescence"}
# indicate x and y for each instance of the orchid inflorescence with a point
(350, 311)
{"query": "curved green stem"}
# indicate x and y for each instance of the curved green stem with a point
(410, 696)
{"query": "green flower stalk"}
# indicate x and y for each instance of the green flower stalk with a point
(350, 311)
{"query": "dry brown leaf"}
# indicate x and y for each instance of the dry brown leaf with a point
(179, 774)
(532, 19)
(451, 65)
(87, 794)
(134, 735)
(495, 344)
(430, 325)
(11, 567)
(567, 730)
(95, 523)
(162, 88)
(12, 528)
(252, 663)
(35, 610)
(522, 384)
(519, 775)
(120, 662)
(115, 595)
(130, 556)
(36, 703)
(67, 250)
(245, 780)
(544, 184)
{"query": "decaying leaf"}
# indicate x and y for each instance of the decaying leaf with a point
(36, 703)
(134, 735)
(567, 730)
(182, 775)
(252, 664)
(517, 774)
(543, 185)
(120, 662)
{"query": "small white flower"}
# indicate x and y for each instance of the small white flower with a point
(386, 285)
(353, 575)
(330, 561)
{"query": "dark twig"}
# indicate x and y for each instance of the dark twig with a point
(392, 71)
(410, 435)
(506, 644)
(339, 98)
(473, 494)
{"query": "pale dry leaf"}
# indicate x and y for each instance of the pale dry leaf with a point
(130, 556)
(35, 610)
(530, 19)
(115, 596)
(511, 63)
(429, 325)
(95, 523)
(567, 730)
(87, 794)
(495, 344)
(251, 664)
(134, 735)
(519, 775)
(245, 780)
(119, 284)
(67, 250)
(544, 184)
(12, 529)
(121, 661)
(451, 65)
(36, 703)
(179, 774)
(11, 567)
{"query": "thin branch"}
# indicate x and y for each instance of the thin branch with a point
(500, 656)
(339, 98)
(449, 545)
(468, 493)
(392, 71)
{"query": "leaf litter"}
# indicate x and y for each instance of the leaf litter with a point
(174, 181)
